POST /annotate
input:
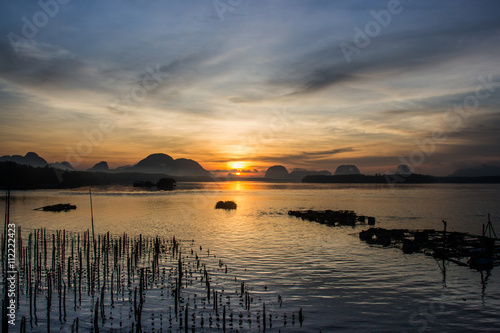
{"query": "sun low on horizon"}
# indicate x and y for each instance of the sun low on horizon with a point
(237, 167)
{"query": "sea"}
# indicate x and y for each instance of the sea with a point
(342, 284)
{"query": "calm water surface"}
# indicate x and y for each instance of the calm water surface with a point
(341, 283)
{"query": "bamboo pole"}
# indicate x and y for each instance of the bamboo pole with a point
(92, 219)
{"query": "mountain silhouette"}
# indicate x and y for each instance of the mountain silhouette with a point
(403, 169)
(31, 159)
(101, 166)
(155, 163)
(66, 166)
(163, 163)
(347, 170)
(277, 172)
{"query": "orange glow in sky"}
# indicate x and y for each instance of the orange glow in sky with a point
(238, 166)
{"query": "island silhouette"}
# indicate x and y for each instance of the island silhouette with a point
(33, 172)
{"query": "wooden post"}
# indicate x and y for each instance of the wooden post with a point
(444, 234)
(92, 217)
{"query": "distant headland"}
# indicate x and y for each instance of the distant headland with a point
(32, 172)
(351, 174)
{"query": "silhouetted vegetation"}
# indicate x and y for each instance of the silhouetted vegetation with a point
(166, 184)
(410, 179)
(24, 177)
(469, 180)
(225, 205)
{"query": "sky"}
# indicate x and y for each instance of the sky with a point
(250, 84)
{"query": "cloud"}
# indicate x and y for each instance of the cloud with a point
(38, 63)
(324, 153)
(405, 46)
(304, 158)
(221, 78)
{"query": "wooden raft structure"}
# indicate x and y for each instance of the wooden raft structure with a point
(481, 252)
(333, 217)
(57, 208)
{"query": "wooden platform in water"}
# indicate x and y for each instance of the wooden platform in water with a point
(57, 208)
(333, 217)
(478, 251)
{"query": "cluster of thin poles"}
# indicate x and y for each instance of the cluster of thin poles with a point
(134, 284)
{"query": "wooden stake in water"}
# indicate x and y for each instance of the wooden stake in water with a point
(186, 322)
(264, 315)
(92, 216)
(224, 318)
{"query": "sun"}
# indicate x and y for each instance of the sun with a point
(238, 166)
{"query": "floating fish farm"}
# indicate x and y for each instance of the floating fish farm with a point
(333, 217)
(476, 251)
